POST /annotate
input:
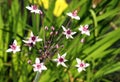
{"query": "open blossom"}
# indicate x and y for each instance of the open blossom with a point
(68, 32)
(74, 15)
(32, 39)
(34, 9)
(81, 65)
(39, 66)
(61, 60)
(84, 30)
(14, 48)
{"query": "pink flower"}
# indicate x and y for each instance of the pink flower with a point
(84, 30)
(33, 39)
(34, 9)
(61, 60)
(39, 66)
(73, 15)
(81, 65)
(82, 40)
(14, 48)
(68, 32)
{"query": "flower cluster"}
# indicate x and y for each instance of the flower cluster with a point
(49, 50)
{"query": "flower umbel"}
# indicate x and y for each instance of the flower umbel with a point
(14, 48)
(34, 9)
(68, 32)
(81, 65)
(84, 30)
(39, 66)
(74, 15)
(61, 60)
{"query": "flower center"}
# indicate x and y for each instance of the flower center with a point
(85, 28)
(68, 32)
(33, 38)
(74, 13)
(38, 66)
(82, 65)
(13, 46)
(34, 7)
(61, 59)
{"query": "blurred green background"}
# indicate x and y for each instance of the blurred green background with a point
(101, 49)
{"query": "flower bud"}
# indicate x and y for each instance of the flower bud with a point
(29, 62)
(48, 42)
(46, 28)
(51, 33)
(82, 40)
(56, 32)
(41, 12)
(45, 46)
(57, 46)
(52, 28)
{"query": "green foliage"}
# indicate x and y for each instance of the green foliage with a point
(101, 50)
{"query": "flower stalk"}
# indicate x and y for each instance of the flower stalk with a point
(37, 77)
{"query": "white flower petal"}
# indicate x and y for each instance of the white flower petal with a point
(40, 70)
(14, 51)
(59, 55)
(71, 36)
(77, 65)
(63, 55)
(29, 8)
(87, 64)
(63, 64)
(34, 65)
(17, 50)
(15, 42)
(77, 17)
(9, 50)
(38, 39)
(28, 41)
(83, 69)
(37, 11)
(78, 60)
(73, 33)
(65, 60)
(58, 63)
(86, 26)
(64, 28)
(80, 29)
(35, 69)
(55, 60)
(87, 33)
(80, 69)
(37, 60)
(67, 36)
(31, 34)
(44, 68)
(69, 14)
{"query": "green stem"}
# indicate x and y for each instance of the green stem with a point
(68, 23)
(37, 77)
